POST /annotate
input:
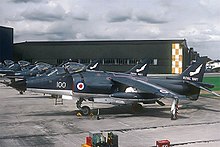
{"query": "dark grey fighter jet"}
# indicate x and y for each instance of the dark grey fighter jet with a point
(121, 88)
(10, 67)
(33, 70)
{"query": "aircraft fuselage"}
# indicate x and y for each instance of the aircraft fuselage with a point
(90, 83)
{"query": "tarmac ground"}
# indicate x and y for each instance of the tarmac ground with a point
(33, 120)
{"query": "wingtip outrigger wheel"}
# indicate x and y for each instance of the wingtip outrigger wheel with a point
(174, 109)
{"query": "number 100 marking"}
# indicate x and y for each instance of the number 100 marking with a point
(61, 84)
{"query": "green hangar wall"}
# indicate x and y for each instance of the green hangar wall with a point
(169, 56)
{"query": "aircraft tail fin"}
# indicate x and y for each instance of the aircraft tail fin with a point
(195, 72)
(141, 68)
(94, 65)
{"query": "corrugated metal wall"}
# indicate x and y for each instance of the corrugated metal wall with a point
(116, 53)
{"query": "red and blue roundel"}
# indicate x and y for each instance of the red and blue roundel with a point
(80, 86)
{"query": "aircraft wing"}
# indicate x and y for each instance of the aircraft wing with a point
(146, 87)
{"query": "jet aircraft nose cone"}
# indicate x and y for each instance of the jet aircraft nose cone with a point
(19, 85)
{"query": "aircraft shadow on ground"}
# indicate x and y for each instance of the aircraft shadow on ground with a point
(199, 107)
(125, 112)
(115, 112)
(53, 113)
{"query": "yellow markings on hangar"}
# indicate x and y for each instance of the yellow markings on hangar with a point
(177, 58)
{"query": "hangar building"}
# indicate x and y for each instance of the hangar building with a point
(6, 43)
(169, 56)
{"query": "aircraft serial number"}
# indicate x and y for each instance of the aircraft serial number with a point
(61, 84)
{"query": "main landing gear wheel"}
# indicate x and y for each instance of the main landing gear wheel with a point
(136, 107)
(85, 110)
(174, 109)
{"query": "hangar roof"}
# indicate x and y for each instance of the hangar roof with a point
(103, 42)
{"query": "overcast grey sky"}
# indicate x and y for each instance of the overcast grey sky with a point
(198, 21)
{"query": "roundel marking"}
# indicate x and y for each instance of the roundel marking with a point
(80, 86)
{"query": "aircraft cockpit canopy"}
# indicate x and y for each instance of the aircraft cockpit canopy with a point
(57, 71)
(14, 66)
(73, 67)
(8, 62)
(23, 63)
(41, 66)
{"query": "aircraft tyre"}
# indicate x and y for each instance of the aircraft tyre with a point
(85, 110)
(174, 116)
(136, 108)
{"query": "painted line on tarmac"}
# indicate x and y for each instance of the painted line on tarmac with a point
(156, 127)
